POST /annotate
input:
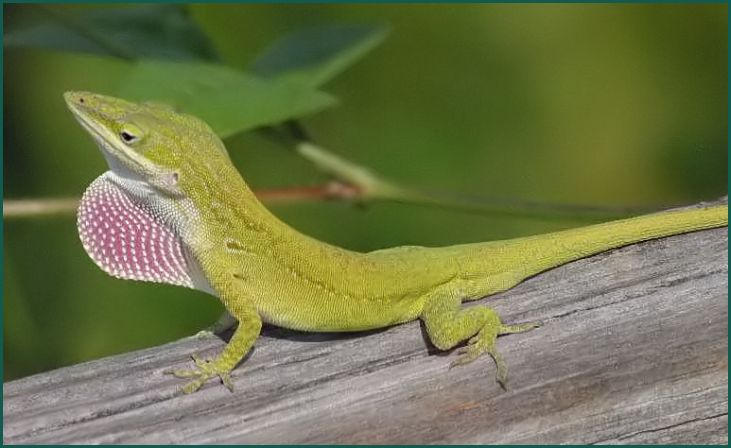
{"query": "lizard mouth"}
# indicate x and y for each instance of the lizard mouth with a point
(89, 110)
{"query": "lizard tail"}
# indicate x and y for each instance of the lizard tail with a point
(546, 251)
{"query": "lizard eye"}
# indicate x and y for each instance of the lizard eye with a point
(127, 137)
(130, 134)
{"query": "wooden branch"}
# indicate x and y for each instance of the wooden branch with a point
(634, 349)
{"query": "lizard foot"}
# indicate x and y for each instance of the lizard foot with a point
(205, 333)
(485, 342)
(206, 369)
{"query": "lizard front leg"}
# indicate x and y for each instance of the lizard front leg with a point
(241, 308)
(447, 325)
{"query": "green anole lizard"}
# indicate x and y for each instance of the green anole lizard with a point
(173, 209)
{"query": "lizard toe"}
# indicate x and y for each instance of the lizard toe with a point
(204, 371)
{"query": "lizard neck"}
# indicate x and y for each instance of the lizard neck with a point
(229, 218)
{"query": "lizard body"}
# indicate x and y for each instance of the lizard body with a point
(173, 209)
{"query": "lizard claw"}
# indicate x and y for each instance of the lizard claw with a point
(466, 355)
(519, 328)
(204, 371)
(474, 349)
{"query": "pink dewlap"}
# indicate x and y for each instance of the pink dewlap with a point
(126, 240)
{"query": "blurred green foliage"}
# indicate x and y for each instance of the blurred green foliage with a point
(228, 100)
(593, 104)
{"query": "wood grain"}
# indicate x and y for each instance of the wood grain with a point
(634, 349)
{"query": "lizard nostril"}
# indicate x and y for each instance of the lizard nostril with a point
(81, 100)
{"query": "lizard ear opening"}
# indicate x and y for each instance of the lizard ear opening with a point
(167, 181)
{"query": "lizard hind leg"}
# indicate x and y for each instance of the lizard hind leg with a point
(447, 325)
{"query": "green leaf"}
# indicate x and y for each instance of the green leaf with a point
(228, 100)
(315, 56)
(151, 31)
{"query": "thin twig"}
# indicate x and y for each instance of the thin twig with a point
(31, 208)
(331, 190)
(373, 187)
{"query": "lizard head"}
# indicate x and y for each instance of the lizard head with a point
(146, 142)
(138, 220)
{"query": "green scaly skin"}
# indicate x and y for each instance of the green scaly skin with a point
(265, 271)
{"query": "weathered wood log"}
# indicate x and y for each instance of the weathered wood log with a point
(634, 349)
